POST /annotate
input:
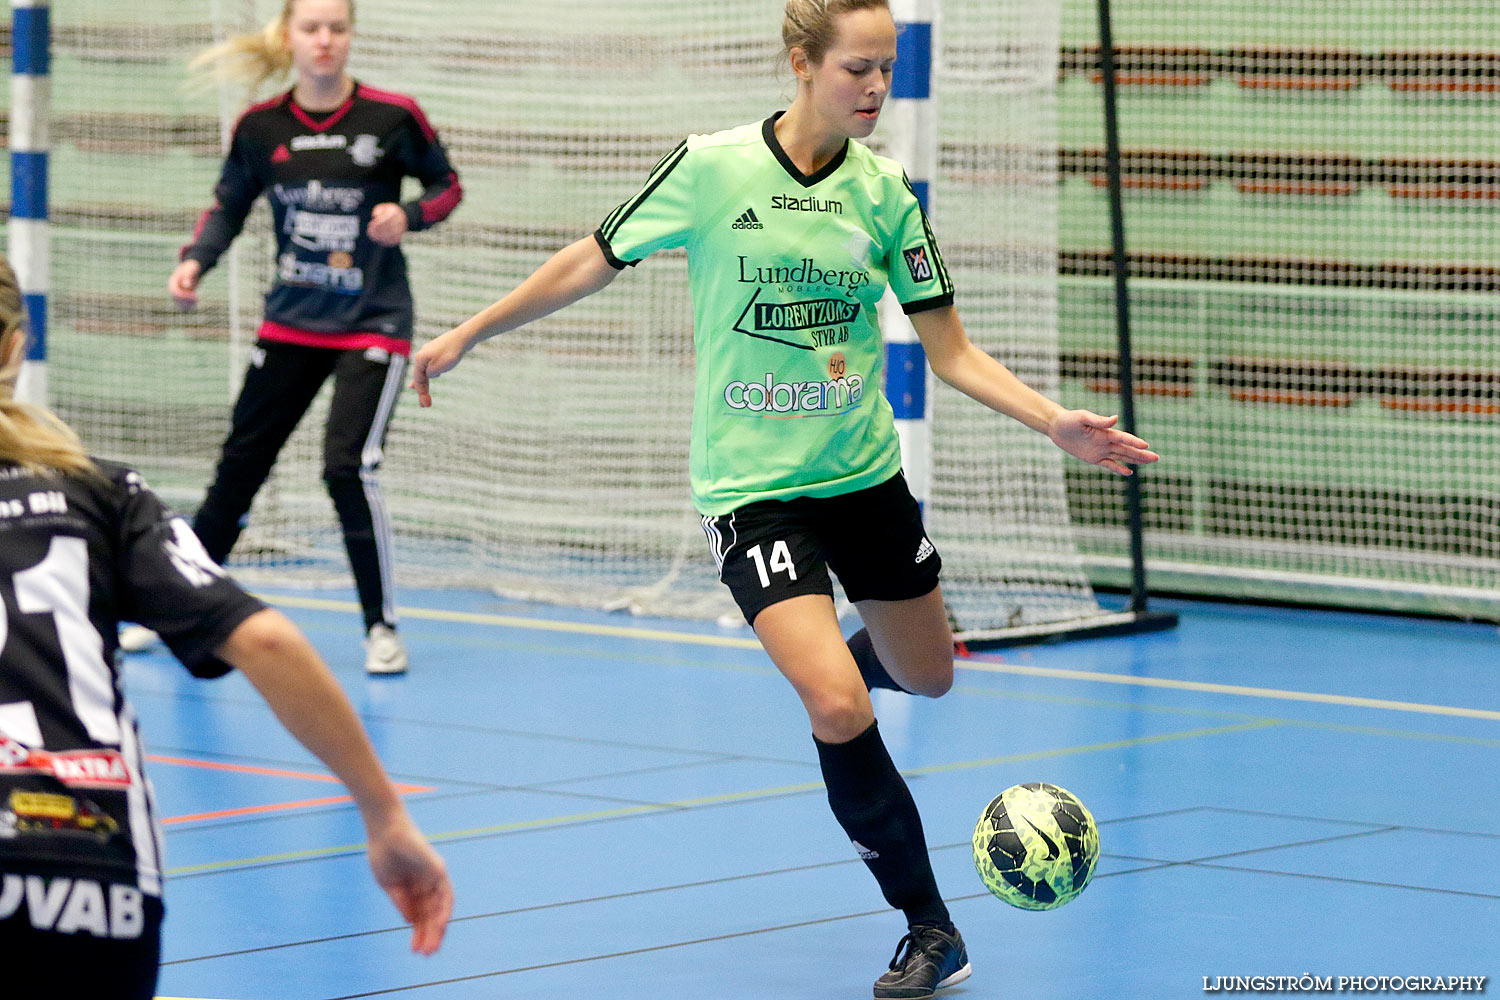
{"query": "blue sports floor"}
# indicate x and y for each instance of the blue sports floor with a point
(632, 809)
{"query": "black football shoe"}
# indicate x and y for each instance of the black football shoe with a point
(926, 959)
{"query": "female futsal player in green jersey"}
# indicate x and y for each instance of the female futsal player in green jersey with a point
(793, 230)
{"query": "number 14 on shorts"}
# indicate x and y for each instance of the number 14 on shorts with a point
(781, 562)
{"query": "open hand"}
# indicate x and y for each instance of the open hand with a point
(1094, 439)
(415, 878)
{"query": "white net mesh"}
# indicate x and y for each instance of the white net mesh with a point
(998, 510)
(1312, 194)
(127, 181)
(554, 463)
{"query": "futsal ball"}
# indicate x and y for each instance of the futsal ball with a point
(1036, 846)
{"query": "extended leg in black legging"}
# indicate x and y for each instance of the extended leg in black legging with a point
(280, 385)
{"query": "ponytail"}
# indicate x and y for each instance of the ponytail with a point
(30, 436)
(250, 59)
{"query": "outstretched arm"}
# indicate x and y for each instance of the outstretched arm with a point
(269, 650)
(574, 272)
(1083, 434)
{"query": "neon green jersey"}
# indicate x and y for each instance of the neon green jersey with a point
(786, 270)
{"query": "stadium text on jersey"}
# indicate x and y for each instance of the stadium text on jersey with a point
(787, 203)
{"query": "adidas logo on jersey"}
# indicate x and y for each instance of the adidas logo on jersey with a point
(747, 221)
(924, 550)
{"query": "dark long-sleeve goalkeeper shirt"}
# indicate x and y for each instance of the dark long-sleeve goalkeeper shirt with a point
(323, 174)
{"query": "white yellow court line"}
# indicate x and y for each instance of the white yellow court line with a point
(514, 621)
(1137, 741)
(1233, 689)
(739, 642)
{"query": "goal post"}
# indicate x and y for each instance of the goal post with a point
(27, 233)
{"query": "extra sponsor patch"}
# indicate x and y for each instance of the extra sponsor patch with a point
(918, 264)
(102, 768)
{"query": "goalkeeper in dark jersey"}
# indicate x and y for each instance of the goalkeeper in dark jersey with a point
(330, 155)
(793, 231)
(84, 544)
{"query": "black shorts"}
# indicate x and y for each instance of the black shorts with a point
(770, 550)
(92, 938)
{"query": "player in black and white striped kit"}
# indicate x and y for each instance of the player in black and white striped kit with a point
(84, 544)
(329, 155)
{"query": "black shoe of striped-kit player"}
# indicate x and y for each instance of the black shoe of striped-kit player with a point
(927, 959)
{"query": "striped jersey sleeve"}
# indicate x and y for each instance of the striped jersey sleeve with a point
(657, 217)
(915, 264)
(170, 584)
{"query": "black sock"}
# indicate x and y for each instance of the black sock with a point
(870, 668)
(873, 805)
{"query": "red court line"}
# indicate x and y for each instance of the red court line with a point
(272, 772)
(250, 810)
(242, 768)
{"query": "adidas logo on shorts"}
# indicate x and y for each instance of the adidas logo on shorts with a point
(864, 852)
(924, 550)
(747, 221)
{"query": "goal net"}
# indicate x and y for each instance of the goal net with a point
(553, 465)
(1312, 195)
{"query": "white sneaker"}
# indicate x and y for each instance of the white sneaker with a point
(137, 638)
(384, 651)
